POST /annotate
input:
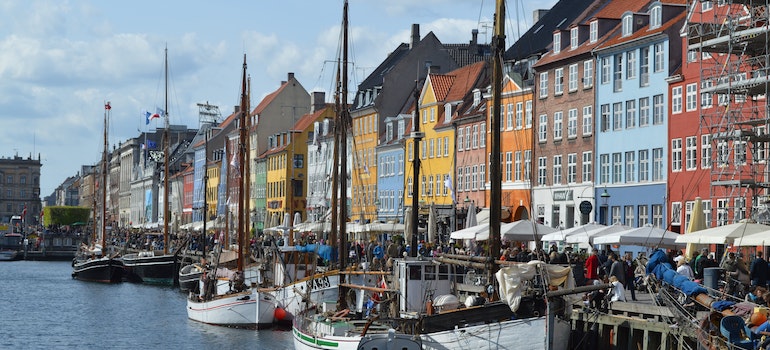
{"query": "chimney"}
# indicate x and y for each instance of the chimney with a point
(291, 76)
(538, 14)
(236, 109)
(317, 101)
(415, 35)
(473, 47)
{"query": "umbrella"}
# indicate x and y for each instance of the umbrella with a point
(408, 224)
(587, 237)
(647, 236)
(470, 232)
(384, 227)
(522, 230)
(722, 234)
(697, 222)
(563, 234)
(470, 220)
(431, 224)
(297, 219)
(757, 239)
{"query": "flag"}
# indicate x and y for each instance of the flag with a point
(234, 164)
(24, 212)
(160, 112)
(150, 116)
(107, 106)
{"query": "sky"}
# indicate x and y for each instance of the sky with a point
(61, 60)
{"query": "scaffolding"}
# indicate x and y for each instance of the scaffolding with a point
(730, 39)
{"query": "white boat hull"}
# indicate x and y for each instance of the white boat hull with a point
(242, 310)
(291, 297)
(524, 334)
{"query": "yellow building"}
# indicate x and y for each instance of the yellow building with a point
(286, 160)
(364, 167)
(441, 99)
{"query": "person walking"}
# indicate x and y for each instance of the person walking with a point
(758, 271)
(630, 268)
(592, 266)
(617, 269)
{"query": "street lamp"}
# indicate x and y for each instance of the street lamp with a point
(605, 207)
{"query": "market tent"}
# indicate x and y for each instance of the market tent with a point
(756, 239)
(722, 234)
(646, 236)
(470, 232)
(562, 235)
(384, 227)
(522, 230)
(587, 237)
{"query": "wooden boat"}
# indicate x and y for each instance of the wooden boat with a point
(147, 266)
(94, 263)
(225, 298)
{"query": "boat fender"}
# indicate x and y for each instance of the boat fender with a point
(279, 314)
(246, 297)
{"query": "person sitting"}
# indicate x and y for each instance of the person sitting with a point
(617, 292)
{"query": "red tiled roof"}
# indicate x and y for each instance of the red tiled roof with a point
(268, 99)
(465, 79)
(309, 118)
(644, 32)
(441, 84)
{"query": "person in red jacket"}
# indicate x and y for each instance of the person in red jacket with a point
(592, 266)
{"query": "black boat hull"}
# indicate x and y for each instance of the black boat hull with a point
(159, 269)
(98, 270)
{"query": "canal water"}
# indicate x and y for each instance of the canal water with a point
(42, 307)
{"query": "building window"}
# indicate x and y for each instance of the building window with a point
(631, 64)
(460, 139)
(629, 215)
(588, 120)
(657, 215)
(557, 170)
(705, 151)
(657, 110)
(657, 164)
(519, 115)
(706, 99)
(604, 168)
(630, 114)
(593, 31)
(644, 66)
(528, 113)
(618, 74)
(527, 164)
(573, 38)
(617, 168)
(616, 215)
(659, 57)
(676, 100)
(605, 117)
(588, 73)
(656, 16)
(543, 128)
(630, 166)
(482, 137)
(644, 215)
(541, 170)
(475, 138)
(605, 70)
(508, 166)
(691, 153)
(676, 155)
(644, 165)
(544, 85)
(692, 97)
(558, 81)
(617, 116)
(482, 176)
(573, 77)
(628, 24)
(572, 168)
(557, 125)
(644, 111)
(467, 137)
(517, 166)
(572, 123)
(587, 166)
(508, 117)
(676, 213)
(556, 42)
(474, 178)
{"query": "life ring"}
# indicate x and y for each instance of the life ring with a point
(341, 313)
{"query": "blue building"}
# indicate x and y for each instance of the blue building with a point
(390, 159)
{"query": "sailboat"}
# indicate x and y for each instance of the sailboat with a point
(146, 266)
(226, 299)
(512, 306)
(94, 263)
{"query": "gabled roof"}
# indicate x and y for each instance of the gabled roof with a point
(268, 99)
(306, 120)
(464, 80)
(538, 38)
(643, 32)
(606, 10)
(441, 84)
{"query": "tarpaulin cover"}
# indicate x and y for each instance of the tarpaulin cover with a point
(659, 265)
(326, 252)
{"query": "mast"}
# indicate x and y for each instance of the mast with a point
(495, 177)
(335, 170)
(241, 166)
(416, 136)
(344, 120)
(165, 160)
(104, 181)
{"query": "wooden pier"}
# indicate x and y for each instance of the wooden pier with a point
(638, 325)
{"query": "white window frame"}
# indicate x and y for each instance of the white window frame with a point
(587, 166)
(528, 113)
(691, 98)
(558, 120)
(573, 77)
(630, 166)
(573, 38)
(519, 120)
(572, 123)
(617, 116)
(617, 167)
(691, 153)
(588, 74)
(556, 42)
(543, 85)
(541, 170)
(705, 152)
(644, 112)
(627, 24)
(517, 166)
(558, 81)
(593, 31)
(543, 128)
(676, 155)
(644, 165)
(606, 70)
(676, 99)
(571, 168)
(631, 65)
(588, 120)
(630, 114)
(557, 173)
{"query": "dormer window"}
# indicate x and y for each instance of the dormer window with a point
(573, 38)
(447, 112)
(400, 129)
(556, 42)
(628, 24)
(593, 34)
(656, 15)
(388, 132)
(476, 97)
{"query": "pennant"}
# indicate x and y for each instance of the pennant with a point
(160, 112)
(448, 184)
(107, 106)
(150, 116)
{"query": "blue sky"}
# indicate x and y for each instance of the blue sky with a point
(60, 60)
